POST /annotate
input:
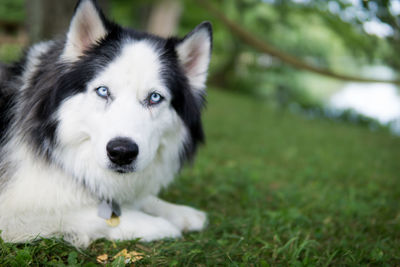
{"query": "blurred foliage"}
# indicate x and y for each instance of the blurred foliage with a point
(131, 13)
(312, 34)
(10, 52)
(11, 10)
(380, 10)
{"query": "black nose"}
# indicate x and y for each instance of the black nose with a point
(122, 151)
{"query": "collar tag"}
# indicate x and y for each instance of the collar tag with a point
(114, 221)
(108, 209)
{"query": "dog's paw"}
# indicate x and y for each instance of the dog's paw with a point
(187, 218)
(158, 229)
(145, 227)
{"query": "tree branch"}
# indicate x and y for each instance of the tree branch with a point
(265, 47)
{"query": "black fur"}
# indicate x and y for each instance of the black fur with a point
(8, 85)
(187, 105)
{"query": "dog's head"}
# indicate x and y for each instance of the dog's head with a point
(145, 92)
(122, 96)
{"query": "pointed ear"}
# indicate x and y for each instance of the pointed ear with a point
(86, 29)
(194, 53)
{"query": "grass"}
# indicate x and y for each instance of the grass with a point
(280, 190)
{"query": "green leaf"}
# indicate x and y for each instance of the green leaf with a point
(118, 262)
(73, 258)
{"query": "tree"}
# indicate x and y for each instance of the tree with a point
(265, 47)
(164, 17)
(287, 14)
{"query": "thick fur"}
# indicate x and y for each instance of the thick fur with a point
(54, 167)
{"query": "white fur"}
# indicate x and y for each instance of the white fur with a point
(183, 217)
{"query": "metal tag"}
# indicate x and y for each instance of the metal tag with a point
(108, 208)
(114, 221)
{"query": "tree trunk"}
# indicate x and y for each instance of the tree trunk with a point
(164, 17)
(49, 18)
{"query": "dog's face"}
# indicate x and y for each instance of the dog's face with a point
(132, 109)
(139, 95)
(125, 113)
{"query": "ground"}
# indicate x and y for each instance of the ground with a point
(279, 189)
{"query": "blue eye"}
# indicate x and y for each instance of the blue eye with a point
(103, 92)
(155, 98)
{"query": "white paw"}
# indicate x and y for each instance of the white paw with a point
(187, 218)
(158, 229)
(143, 226)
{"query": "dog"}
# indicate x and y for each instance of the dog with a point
(94, 125)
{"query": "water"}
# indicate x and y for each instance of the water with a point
(376, 100)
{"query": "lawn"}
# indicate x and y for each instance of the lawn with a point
(279, 189)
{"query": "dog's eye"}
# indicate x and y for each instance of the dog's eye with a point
(155, 98)
(103, 92)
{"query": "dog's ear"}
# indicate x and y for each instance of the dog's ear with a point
(194, 53)
(88, 26)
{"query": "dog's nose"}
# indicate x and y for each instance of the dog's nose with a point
(122, 151)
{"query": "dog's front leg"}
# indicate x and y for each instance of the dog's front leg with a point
(82, 227)
(136, 224)
(184, 217)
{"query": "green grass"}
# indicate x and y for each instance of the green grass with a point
(279, 189)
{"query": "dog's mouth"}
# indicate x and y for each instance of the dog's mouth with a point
(123, 169)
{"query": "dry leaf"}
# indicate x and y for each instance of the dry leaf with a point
(130, 257)
(102, 259)
(122, 253)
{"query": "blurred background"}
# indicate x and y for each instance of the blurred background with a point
(300, 40)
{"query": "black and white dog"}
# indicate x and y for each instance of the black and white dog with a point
(93, 126)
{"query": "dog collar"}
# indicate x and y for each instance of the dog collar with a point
(110, 211)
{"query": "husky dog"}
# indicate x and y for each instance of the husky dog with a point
(93, 126)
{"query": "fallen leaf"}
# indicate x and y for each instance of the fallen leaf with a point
(122, 253)
(130, 257)
(102, 259)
